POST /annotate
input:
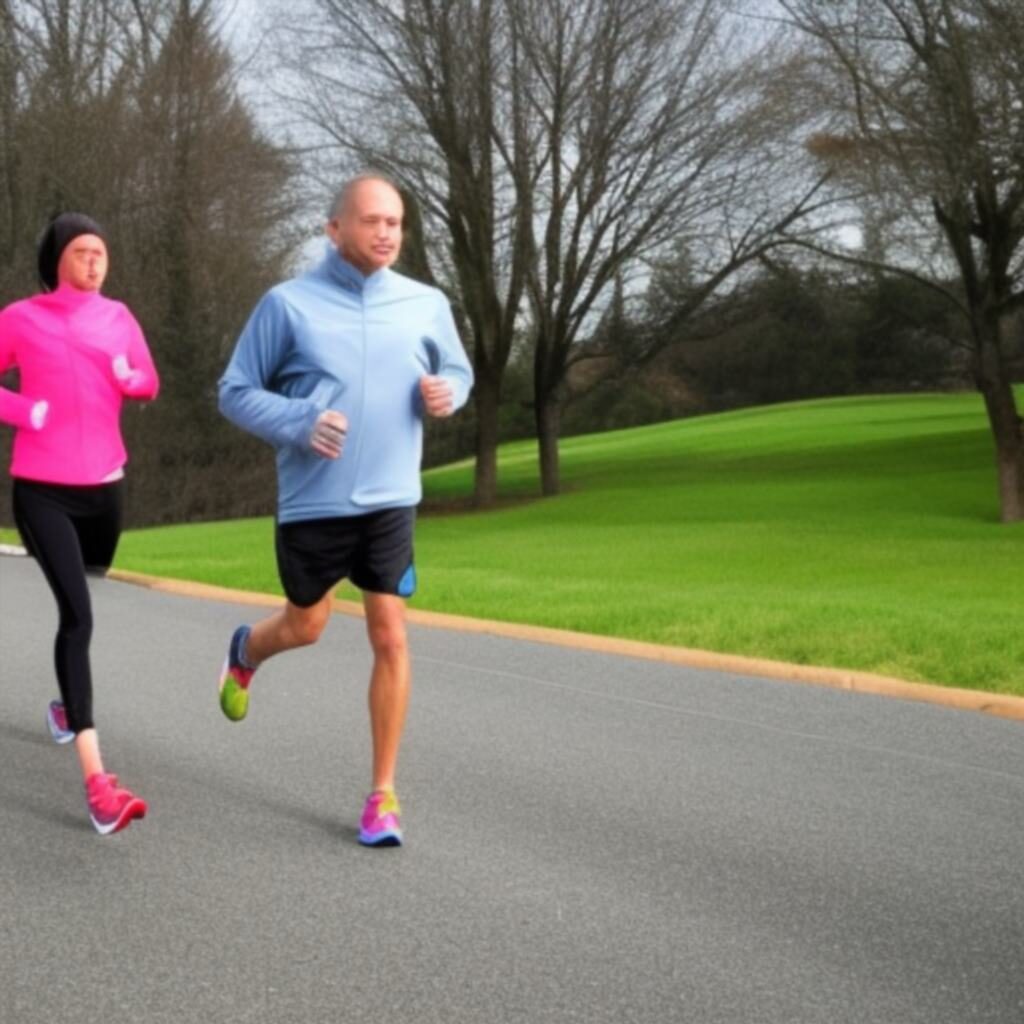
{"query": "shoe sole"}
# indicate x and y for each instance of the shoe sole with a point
(59, 737)
(389, 838)
(135, 808)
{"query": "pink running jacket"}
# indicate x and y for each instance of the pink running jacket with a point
(64, 344)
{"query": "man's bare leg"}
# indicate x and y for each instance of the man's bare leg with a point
(290, 627)
(286, 629)
(389, 682)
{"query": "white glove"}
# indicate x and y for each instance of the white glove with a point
(126, 376)
(122, 371)
(38, 415)
(328, 435)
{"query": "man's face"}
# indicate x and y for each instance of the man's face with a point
(368, 230)
(83, 263)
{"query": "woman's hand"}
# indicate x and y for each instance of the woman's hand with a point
(126, 376)
(39, 414)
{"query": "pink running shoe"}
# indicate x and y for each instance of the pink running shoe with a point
(380, 824)
(57, 720)
(110, 807)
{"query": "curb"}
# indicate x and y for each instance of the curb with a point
(1000, 705)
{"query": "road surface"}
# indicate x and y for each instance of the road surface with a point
(589, 838)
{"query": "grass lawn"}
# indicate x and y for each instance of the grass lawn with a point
(858, 533)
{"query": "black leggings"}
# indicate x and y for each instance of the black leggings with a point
(70, 531)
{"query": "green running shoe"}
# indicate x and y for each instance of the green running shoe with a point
(235, 678)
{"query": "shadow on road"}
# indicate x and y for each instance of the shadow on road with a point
(37, 737)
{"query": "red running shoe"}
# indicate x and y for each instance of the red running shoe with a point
(110, 807)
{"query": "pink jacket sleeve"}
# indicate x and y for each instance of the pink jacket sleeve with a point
(15, 409)
(144, 382)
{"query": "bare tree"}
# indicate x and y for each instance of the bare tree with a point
(11, 206)
(924, 105)
(207, 221)
(650, 121)
(130, 111)
(553, 145)
(424, 102)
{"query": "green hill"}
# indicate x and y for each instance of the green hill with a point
(859, 533)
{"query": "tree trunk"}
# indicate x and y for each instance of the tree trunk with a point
(548, 419)
(1007, 426)
(486, 400)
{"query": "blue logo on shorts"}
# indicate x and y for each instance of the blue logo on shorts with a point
(407, 584)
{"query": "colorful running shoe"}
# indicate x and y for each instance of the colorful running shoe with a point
(111, 807)
(235, 678)
(57, 720)
(380, 824)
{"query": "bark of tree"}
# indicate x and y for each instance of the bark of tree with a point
(548, 415)
(488, 404)
(993, 380)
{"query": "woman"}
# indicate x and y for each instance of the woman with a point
(78, 355)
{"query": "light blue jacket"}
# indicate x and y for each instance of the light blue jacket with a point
(334, 339)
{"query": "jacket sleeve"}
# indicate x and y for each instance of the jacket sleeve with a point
(15, 408)
(452, 362)
(144, 382)
(246, 391)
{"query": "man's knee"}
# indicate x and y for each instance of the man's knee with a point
(387, 637)
(308, 623)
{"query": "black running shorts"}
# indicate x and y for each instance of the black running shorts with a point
(374, 551)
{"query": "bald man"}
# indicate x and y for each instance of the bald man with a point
(337, 369)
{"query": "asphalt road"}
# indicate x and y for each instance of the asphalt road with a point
(589, 838)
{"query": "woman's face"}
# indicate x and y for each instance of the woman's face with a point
(83, 263)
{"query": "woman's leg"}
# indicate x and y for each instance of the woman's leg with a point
(51, 538)
(100, 529)
(64, 544)
(66, 529)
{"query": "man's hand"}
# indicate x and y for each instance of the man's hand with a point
(328, 436)
(437, 396)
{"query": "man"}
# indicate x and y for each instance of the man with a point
(336, 370)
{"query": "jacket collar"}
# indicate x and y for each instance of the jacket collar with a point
(339, 270)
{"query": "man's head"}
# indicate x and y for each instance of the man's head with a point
(365, 223)
(73, 250)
